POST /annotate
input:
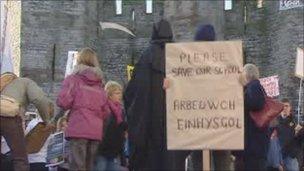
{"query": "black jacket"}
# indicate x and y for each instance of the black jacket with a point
(256, 139)
(144, 98)
(286, 134)
(113, 140)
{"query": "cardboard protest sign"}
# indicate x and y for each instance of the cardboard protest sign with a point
(299, 72)
(205, 107)
(271, 85)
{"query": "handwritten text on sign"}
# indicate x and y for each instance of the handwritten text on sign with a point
(271, 85)
(205, 98)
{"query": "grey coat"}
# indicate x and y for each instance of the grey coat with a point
(26, 91)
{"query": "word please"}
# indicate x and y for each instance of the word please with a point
(202, 57)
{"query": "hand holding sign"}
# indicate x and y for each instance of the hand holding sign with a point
(166, 83)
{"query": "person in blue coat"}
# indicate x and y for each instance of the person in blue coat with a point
(254, 156)
(205, 32)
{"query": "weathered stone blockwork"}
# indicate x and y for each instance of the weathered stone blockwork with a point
(270, 36)
(270, 39)
(285, 33)
(49, 29)
(118, 49)
(185, 16)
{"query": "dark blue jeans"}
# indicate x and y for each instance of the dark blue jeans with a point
(291, 164)
(107, 164)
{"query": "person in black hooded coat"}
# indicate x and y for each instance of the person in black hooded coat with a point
(220, 158)
(204, 32)
(145, 106)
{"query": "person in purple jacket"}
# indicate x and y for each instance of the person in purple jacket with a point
(82, 93)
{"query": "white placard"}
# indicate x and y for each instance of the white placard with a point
(288, 4)
(299, 70)
(71, 62)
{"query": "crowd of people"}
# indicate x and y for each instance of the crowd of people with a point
(109, 127)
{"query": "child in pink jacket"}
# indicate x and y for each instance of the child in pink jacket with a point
(82, 93)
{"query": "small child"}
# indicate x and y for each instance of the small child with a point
(114, 131)
(62, 123)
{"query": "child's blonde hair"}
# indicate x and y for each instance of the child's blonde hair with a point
(112, 86)
(60, 121)
(87, 56)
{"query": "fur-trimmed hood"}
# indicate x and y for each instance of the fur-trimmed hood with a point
(91, 75)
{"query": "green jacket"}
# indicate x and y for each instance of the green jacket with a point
(26, 91)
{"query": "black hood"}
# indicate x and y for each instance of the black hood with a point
(155, 53)
(162, 31)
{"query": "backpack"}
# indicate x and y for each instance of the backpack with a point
(9, 106)
(6, 78)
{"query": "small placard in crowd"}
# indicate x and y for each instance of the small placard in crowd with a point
(55, 150)
(271, 85)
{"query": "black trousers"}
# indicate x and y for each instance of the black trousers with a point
(38, 167)
(11, 130)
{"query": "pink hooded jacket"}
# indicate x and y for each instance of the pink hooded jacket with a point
(82, 93)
